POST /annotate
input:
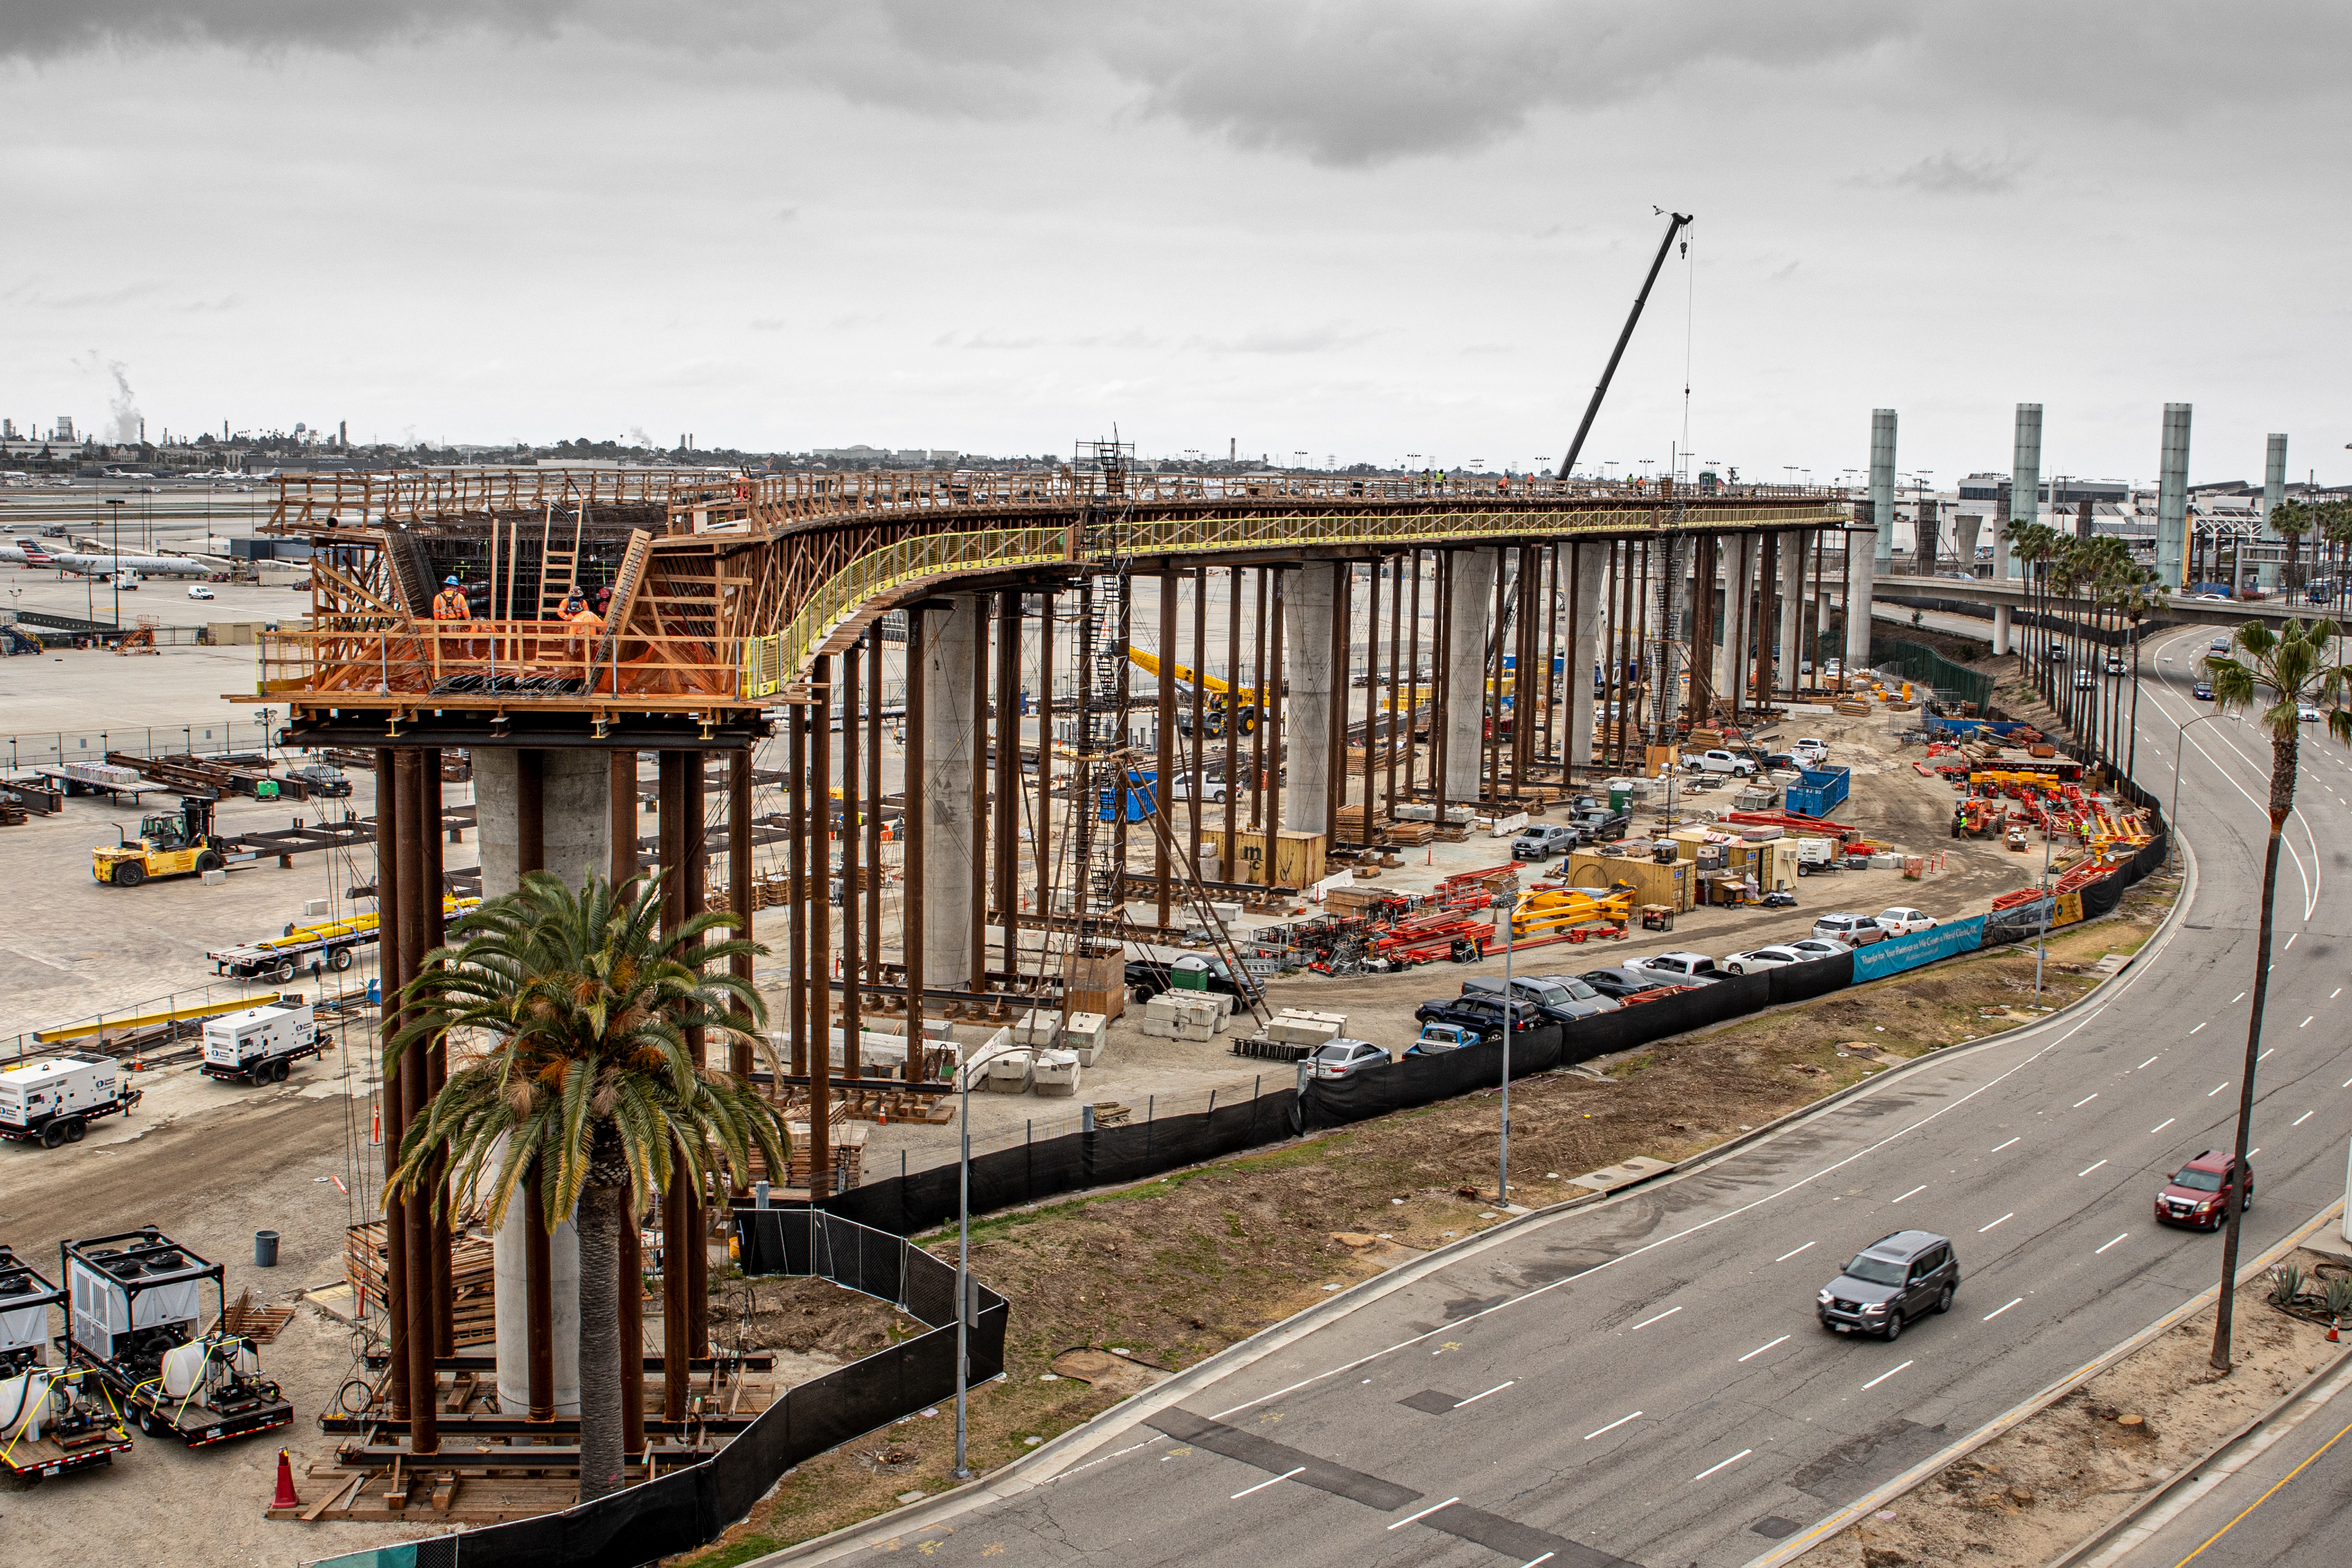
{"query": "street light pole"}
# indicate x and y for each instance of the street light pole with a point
(1508, 892)
(2180, 744)
(964, 1243)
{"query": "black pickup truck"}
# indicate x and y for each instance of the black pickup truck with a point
(1148, 977)
(1602, 825)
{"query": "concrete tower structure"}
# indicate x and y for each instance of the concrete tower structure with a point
(2173, 497)
(1882, 488)
(2273, 492)
(2024, 484)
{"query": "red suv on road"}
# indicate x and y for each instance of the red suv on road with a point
(2198, 1193)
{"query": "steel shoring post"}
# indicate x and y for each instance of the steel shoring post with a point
(621, 818)
(1008, 774)
(1613, 714)
(391, 960)
(977, 835)
(423, 1404)
(697, 899)
(1121, 733)
(875, 643)
(1490, 695)
(739, 887)
(1768, 619)
(1525, 704)
(678, 1236)
(796, 868)
(1045, 829)
(819, 969)
(1335, 769)
(1550, 560)
(1413, 681)
(1270, 827)
(910, 821)
(1396, 627)
(853, 829)
(429, 840)
(1267, 700)
(1576, 685)
(1441, 670)
(1371, 696)
(530, 855)
(1164, 722)
(1198, 750)
(1233, 720)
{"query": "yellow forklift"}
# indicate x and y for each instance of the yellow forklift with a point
(170, 844)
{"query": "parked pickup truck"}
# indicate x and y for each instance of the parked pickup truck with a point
(1542, 841)
(1603, 826)
(1720, 762)
(1148, 977)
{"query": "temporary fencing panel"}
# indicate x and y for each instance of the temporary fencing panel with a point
(1897, 953)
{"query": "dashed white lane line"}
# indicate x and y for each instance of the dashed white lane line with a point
(2152, 1059)
(1613, 1426)
(2301, 1120)
(2305, 1024)
(1996, 1311)
(1425, 1513)
(2088, 1169)
(1477, 1398)
(2084, 1100)
(2199, 1027)
(1883, 1376)
(1274, 1482)
(2217, 1088)
(2171, 1120)
(2332, 995)
(1725, 1464)
(1647, 1321)
(2096, 1251)
(1759, 1349)
(1999, 1147)
(1785, 1256)
(2238, 998)
(2002, 1220)
(1912, 1193)
(2289, 941)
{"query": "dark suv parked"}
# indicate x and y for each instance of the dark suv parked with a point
(1483, 1014)
(1892, 1280)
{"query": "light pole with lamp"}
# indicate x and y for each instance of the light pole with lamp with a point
(1507, 893)
(2180, 744)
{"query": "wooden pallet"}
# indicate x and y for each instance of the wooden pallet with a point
(472, 1279)
(255, 1321)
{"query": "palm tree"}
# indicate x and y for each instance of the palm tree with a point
(2282, 672)
(2029, 545)
(576, 1009)
(2138, 593)
(2334, 521)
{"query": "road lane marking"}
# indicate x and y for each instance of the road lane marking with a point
(2238, 998)
(1647, 1321)
(2002, 1220)
(2098, 1250)
(1733, 1460)
(2289, 941)
(1883, 1376)
(1532, 1562)
(1425, 1513)
(1759, 1349)
(1914, 1192)
(2301, 1120)
(2159, 1053)
(1263, 1485)
(2088, 1169)
(1999, 1147)
(2084, 1100)
(1996, 1311)
(2332, 995)
(2199, 1027)
(1785, 1256)
(2217, 1088)
(2305, 1024)
(1613, 1426)
(1477, 1398)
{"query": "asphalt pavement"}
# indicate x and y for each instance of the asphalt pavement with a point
(1645, 1381)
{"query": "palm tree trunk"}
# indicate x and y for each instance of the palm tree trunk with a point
(2283, 757)
(600, 1456)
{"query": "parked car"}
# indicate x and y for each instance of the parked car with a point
(2204, 692)
(1902, 920)
(1756, 961)
(2219, 645)
(322, 779)
(1148, 977)
(1781, 763)
(1482, 1015)
(198, 591)
(1542, 841)
(1892, 1280)
(1601, 827)
(1558, 1002)
(1855, 930)
(1581, 992)
(2306, 713)
(2198, 1193)
(1718, 760)
(1676, 969)
(1211, 790)
(1342, 1057)
(2115, 664)
(1618, 983)
(1816, 948)
(1436, 1038)
(1810, 751)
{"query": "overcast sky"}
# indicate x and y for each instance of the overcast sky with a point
(1358, 230)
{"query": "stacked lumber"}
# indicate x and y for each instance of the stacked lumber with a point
(848, 1156)
(1411, 833)
(256, 1322)
(471, 1278)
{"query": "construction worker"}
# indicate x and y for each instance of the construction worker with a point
(584, 622)
(450, 603)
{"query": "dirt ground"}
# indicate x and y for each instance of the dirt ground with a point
(2030, 1494)
(1174, 1269)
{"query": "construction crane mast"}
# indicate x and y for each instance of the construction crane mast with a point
(1676, 222)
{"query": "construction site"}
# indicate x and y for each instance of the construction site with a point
(1114, 800)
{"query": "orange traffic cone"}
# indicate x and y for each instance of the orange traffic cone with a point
(286, 1497)
(2331, 1331)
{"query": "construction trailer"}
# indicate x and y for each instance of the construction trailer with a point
(54, 1101)
(52, 1419)
(143, 1316)
(261, 1044)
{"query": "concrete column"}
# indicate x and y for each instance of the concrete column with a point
(1592, 567)
(1793, 545)
(1461, 704)
(1966, 526)
(1307, 604)
(1882, 488)
(2172, 496)
(2273, 492)
(576, 792)
(2000, 628)
(575, 826)
(1860, 553)
(1924, 541)
(951, 837)
(2024, 484)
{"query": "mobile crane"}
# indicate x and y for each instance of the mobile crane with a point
(1222, 697)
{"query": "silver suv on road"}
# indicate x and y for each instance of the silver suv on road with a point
(1892, 1280)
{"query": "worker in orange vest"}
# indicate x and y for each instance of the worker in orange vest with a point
(586, 624)
(450, 603)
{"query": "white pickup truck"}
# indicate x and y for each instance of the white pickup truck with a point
(1720, 762)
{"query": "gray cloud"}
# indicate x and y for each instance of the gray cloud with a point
(1950, 173)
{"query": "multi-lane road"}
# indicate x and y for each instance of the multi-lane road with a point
(1644, 1382)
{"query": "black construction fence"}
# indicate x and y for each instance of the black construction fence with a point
(688, 1507)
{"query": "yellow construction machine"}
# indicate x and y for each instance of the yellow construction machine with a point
(1565, 911)
(1222, 697)
(170, 844)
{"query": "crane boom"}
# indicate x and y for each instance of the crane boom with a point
(1673, 227)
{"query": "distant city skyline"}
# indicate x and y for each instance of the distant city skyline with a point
(1382, 232)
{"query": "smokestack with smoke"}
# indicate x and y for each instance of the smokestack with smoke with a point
(123, 407)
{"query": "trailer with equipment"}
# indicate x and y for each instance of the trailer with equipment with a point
(53, 1101)
(52, 1419)
(137, 1317)
(261, 1044)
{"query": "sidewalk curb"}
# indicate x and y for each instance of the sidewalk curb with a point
(1051, 1460)
(2090, 1546)
(2018, 1414)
